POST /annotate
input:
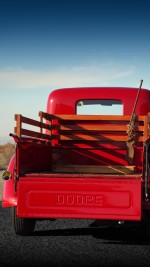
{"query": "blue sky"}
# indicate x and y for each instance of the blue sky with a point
(46, 45)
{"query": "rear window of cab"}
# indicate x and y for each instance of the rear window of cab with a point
(99, 107)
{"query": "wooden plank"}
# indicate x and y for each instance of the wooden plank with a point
(34, 122)
(88, 117)
(93, 169)
(96, 117)
(85, 137)
(22, 119)
(82, 127)
(35, 134)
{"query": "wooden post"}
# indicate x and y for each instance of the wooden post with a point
(145, 128)
(17, 129)
(41, 121)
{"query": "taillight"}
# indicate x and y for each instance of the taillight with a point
(6, 175)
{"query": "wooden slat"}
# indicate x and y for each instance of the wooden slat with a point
(96, 117)
(30, 121)
(34, 122)
(35, 134)
(81, 127)
(83, 137)
(93, 169)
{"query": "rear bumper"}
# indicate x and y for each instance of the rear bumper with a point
(116, 199)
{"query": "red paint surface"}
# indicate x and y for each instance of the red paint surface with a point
(98, 197)
(63, 101)
(80, 198)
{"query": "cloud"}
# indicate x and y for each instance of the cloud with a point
(96, 75)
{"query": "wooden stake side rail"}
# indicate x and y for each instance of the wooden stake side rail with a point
(102, 128)
(84, 127)
(20, 131)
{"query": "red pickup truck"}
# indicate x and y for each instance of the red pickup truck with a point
(87, 157)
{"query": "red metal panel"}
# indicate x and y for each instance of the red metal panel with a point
(80, 198)
(9, 197)
(58, 104)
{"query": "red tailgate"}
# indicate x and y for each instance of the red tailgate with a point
(80, 198)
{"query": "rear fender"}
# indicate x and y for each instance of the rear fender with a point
(9, 196)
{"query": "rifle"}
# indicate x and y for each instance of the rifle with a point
(131, 130)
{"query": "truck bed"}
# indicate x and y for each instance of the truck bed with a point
(83, 166)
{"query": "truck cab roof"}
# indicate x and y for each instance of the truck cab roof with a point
(64, 100)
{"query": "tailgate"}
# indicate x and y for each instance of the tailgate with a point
(116, 199)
